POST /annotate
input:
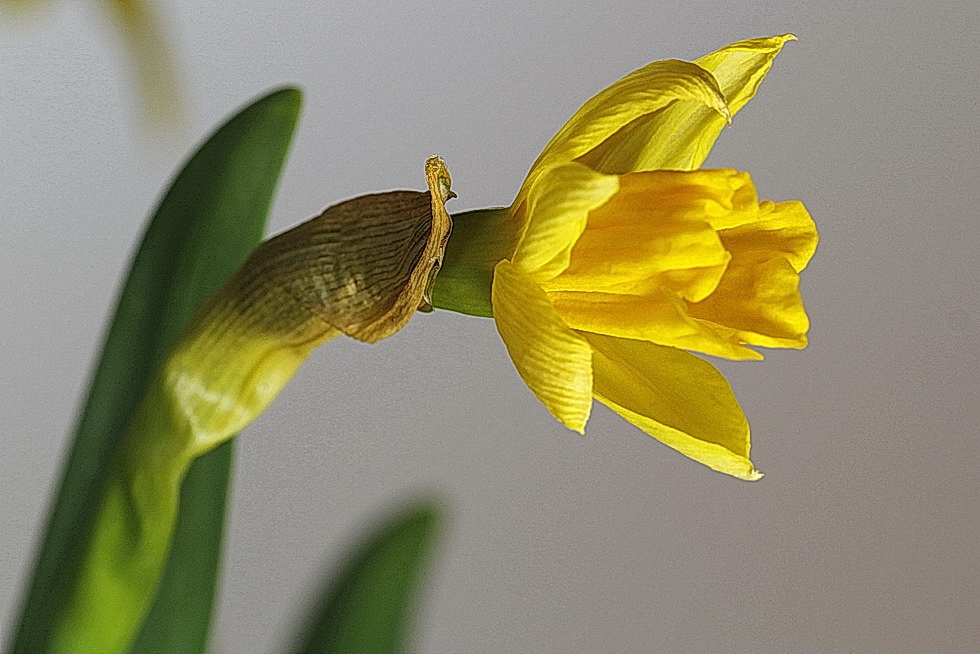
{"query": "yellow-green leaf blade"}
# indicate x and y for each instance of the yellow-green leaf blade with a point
(180, 618)
(211, 218)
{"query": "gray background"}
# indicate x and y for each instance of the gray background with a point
(863, 535)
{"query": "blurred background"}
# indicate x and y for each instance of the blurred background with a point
(863, 535)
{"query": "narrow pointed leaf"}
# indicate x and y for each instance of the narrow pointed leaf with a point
(212, 217)
(253, 156)
(368, 606)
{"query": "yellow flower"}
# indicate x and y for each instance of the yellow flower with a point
(622, 255)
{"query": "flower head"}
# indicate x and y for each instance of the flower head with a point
(623, 257)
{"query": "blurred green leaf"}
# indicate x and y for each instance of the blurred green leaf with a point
(210, 220)
(179, 621)
(369, 605)
(255, 152)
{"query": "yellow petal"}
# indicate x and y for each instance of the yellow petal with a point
(652, 251)
(741, 67)
(675, 397)
(652, 235)
(656, 318)
(681, 135)
(633, 101)
(758, 301)
(783, 228)
(758, 297)
(558, 203)
(554, 361)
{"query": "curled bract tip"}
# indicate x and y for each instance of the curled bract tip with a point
(438, 178)
(440, 189)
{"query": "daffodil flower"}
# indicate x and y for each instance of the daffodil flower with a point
(619, 257)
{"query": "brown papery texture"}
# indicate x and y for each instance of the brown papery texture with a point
(363, 267)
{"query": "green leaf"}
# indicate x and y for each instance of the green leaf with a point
(368, 607)
(180, 618)
(256, 148)
(212, 217)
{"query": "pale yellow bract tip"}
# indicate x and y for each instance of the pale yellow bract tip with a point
(437, 176)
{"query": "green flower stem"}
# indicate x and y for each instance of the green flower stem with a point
(223, 374)
(210, 219)
(362, 268)
(481, 238)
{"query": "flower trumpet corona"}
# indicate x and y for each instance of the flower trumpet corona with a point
(620, 256)
(361, 268)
